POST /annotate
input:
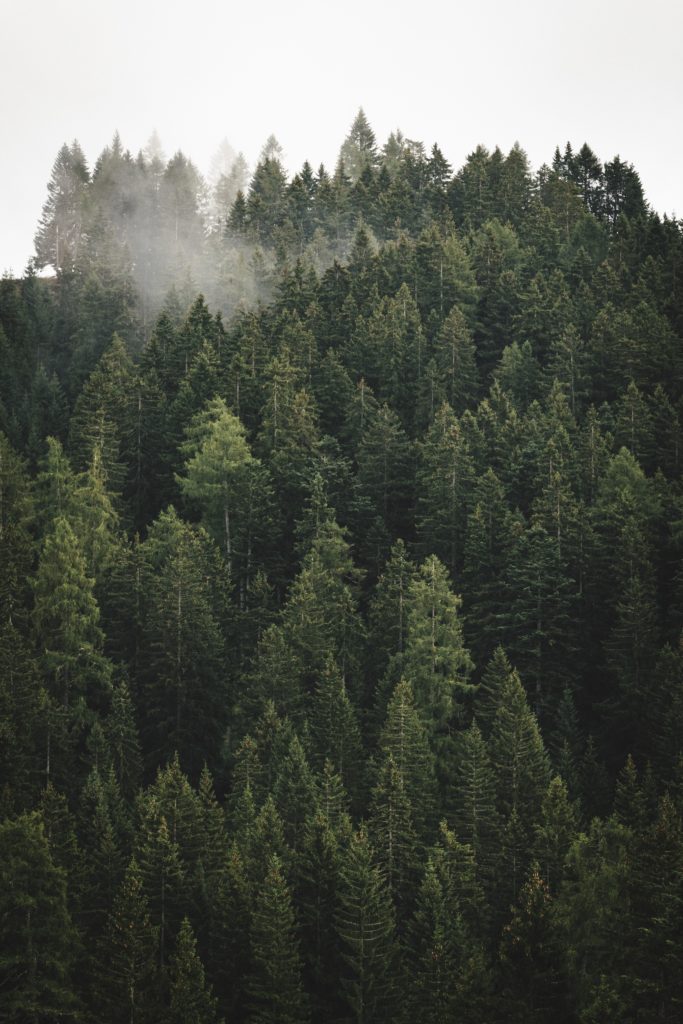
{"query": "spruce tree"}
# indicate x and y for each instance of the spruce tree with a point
(435, 659)
(444, 479)
(432, 955)
(365, 927)
(38, 940)
(392, 833)
(129, 974)
(404, 738)
(518, 756)
(473, 801)
(274, 984)
(66, 620)
(295, 793)
(334, 727)
(317, 881)
(191, 1000)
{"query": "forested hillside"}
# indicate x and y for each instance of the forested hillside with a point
(341, 599)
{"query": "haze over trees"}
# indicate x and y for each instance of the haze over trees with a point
(341, 602)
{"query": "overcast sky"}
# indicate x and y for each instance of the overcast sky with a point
(538, 71)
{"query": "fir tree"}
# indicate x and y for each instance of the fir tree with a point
(274, 984)
(191, 1001)
(39, 941)
(129, 968)
(365, 926)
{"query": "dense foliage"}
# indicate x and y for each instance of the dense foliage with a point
(341, 605)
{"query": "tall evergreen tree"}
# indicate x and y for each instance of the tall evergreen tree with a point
(274, 984)
(365, 926)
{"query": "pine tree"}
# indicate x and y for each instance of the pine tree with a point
(295, 793)
(488, 695)
(485, 556)
(404, 739)
(473, 801)
(455, 357)
(518, 755)
(276, 676)
(180, 673)
(103, 860)
(103, 414)
(162, 877)
(66, 620)
(391, 831)
(555, 833)
(122, 738)
(444, 478)
(433, 954)
(38, 940)
(365, 927)
(16, 544)
(359, 150)
(334, 729)
(217, 460)
(23, 714)
(129, 982)
(385, 469)
(274, 984)
(59, 238)
(532, 983)
(321, 620)
(317, 881)
(435, 659)
(191, 1001)
(388, 610)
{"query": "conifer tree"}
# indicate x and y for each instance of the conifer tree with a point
(38, 940)
(191, 1000)
(433, 953)
(274, 984)
(217, 459)
(444, 478)
(385, 468)
(103, 413)
(404, 738)
(334, 727)
(129, 978)
(162, 878)
(388, 610)
(365, 927)
(181, 680)
(473, 799)
(317, 881)
(359, 150)
(555, 833)
(295, 793)
(391, 831)
(455, 357)
(488, 695)
(276, 676)
(16, 543)
(532, 981)
(435, 659)
(518, 755)
(59, 238)
(66, 620)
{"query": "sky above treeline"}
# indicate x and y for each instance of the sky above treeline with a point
(540, 72)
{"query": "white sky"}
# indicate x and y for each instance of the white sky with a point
(609, 72)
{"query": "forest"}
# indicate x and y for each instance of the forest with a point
(341, 593)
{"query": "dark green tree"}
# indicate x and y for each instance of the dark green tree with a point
(365, 927)
(274, 984)
(191, 1000)
(38, 940)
